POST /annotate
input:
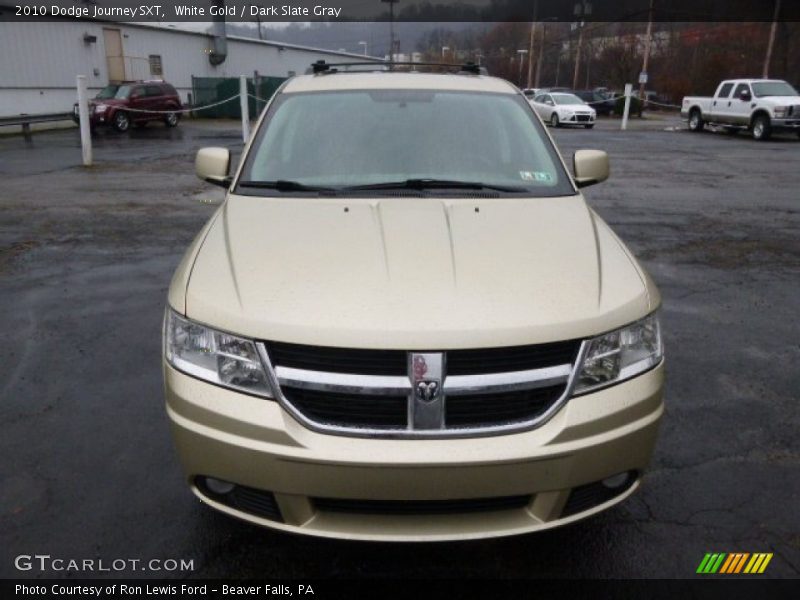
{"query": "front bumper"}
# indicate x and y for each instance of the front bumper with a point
(787, 124)
(253, 442)
(95, 118)
(579, 119)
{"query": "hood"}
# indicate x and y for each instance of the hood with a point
(109, 102)
(413, 273)
(780, 100)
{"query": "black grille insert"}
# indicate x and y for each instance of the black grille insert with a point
(513, 358)
(421, 507)
(350, 410)
(338, 360)
(590, 495)
(487, 410)
(395, 362)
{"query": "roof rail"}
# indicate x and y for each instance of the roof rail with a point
(324, 67)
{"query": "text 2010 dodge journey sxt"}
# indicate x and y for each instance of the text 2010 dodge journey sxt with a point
(405, 323)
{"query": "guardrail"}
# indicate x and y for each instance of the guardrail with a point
(25, 120)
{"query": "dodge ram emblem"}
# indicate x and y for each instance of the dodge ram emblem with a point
(427, 390)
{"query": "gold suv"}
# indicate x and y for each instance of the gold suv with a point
(405, 323)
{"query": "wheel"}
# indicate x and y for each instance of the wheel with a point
(121, 121)
(554, 120)
(696, 122)
(589, 126)
(761, 128)
(171, 120)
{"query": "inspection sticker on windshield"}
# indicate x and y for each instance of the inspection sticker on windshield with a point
(535, 176)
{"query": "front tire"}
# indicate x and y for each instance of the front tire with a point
(554, 120)
(762, 130)
(122, 121)
(696, 122)
(171, 120)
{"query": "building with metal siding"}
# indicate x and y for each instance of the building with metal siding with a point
(40, 60)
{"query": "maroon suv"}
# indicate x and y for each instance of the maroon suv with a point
(123, 104)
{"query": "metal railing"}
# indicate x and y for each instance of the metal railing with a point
(25, 120)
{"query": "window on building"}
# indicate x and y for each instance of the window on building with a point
(155, 65)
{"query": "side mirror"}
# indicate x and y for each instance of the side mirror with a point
(212, 164)
(590, 167)
(745, 96)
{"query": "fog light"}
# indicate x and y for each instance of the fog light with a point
(218, 486)
(616, 481)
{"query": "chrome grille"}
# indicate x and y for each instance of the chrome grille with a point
(421, 394)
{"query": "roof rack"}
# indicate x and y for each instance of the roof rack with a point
(324, 67)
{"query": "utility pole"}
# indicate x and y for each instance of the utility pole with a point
(771, 43)
(521, 54)
(533, 35)
(647, 43)
(391, 4)
(582, 9)
(577, 59)
(540, 57)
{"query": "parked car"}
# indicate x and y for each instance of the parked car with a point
(121, 104)
(530, 93)
(396, 327)
(553, 89)
(563, 108)
(762, 106)
(601, 103)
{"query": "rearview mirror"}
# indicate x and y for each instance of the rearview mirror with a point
(212, 165)
(590, 167)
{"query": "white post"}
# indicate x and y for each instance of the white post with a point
(83, 119)
(628, 91)
(243, 102)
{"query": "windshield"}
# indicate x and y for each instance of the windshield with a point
(773, 88)
(566, 99)
(340, 139)
(123, 92)
(107, 92)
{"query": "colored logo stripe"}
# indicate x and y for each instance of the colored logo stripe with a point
(734, 563)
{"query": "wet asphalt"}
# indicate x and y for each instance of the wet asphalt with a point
(88, 470)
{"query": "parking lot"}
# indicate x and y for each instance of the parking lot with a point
(86, 256)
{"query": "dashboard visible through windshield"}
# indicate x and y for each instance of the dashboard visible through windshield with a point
(380, 140)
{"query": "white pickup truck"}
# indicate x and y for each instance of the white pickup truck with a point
(760, 105)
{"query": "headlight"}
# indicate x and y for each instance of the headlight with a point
(218, 357)
(100, 108)
(620, 355)
(780, 111)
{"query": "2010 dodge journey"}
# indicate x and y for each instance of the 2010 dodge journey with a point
(405, 323)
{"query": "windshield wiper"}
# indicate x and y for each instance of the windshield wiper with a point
(425, 184)
(283, 185)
